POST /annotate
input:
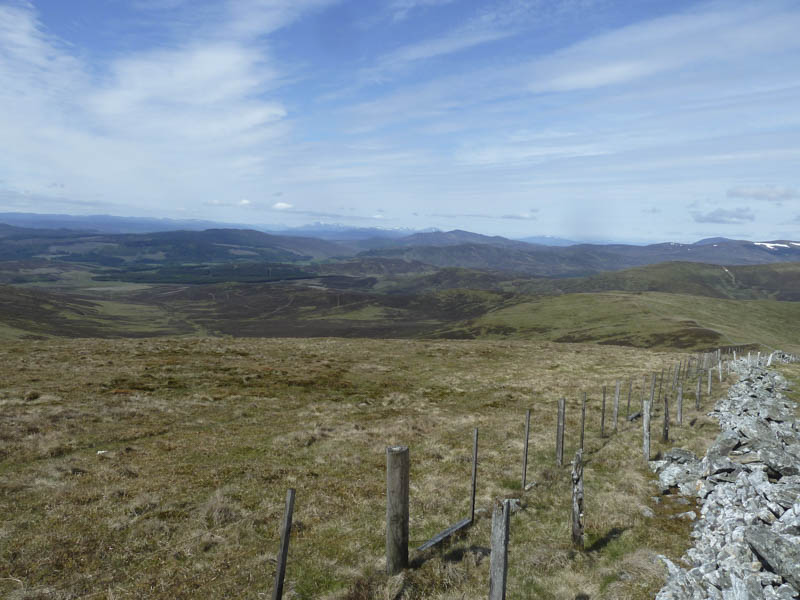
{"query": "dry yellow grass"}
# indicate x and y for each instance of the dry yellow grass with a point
(158, 468)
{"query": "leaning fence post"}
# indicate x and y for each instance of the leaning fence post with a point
(525, 451)
(665, 433)
(474, 474)
(653, 389)
(283, 553)
(680, 405)
(644, 387)
(646, 420)
(577, 500)
(560, 433)
(397, 466)
(646, 430)
(498, 559)
(583, 418)
(630, 390)
(697, 392)
(616, 406)
(708, 393)
(603, 415)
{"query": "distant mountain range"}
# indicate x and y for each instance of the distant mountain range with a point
(437, 249)
(323, 231)
(581, 259)
(548, 240)
(114, 224)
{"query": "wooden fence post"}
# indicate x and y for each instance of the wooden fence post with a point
(560, 433)
(680, 405)
(630, 391)
(283, 553)
(615, 412)
(525, 451)
(697, 392)
(665, 433)
(653, 389)
(708, 393)
(577, 500)
(644, 387)
(646, 430)
(474, 474)
(660, 385)
(583, 418)
(498, 559)
(603, 415)
(397, 467)
(646, 420)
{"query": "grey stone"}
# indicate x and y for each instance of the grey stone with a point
(777, 553)
(780, 461)
(747, 483)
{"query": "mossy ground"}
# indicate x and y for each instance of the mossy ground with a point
(158, 468)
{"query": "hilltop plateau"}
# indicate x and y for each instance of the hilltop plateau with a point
(158, 468)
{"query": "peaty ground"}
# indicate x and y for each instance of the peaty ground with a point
(158, 468)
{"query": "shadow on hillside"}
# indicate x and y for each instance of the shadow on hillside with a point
(609, 537)
(458, 554)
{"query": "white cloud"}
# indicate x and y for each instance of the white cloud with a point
(242, 203)
(282, 206)
(192, 118)
(447, 44)
(769, 193)
(400, 9)
(724, 216)
(708, 35)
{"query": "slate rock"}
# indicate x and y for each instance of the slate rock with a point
(776, 552)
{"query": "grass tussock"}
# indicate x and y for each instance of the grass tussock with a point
(159, 468)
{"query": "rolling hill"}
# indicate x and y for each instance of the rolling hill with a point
(586, 259)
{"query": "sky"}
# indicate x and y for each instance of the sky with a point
(639, 121)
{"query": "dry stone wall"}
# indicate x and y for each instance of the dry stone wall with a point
(747, 536)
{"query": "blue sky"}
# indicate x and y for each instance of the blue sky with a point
(588, 119)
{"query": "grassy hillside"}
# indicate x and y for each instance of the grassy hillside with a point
(36, 313)
(587, 259)
(780, 281)
(308, 308)
(158, 468)
(644, 320)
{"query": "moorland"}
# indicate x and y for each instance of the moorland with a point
(160, 392)
(440, 285)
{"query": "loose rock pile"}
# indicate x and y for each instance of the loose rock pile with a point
(747, 539)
